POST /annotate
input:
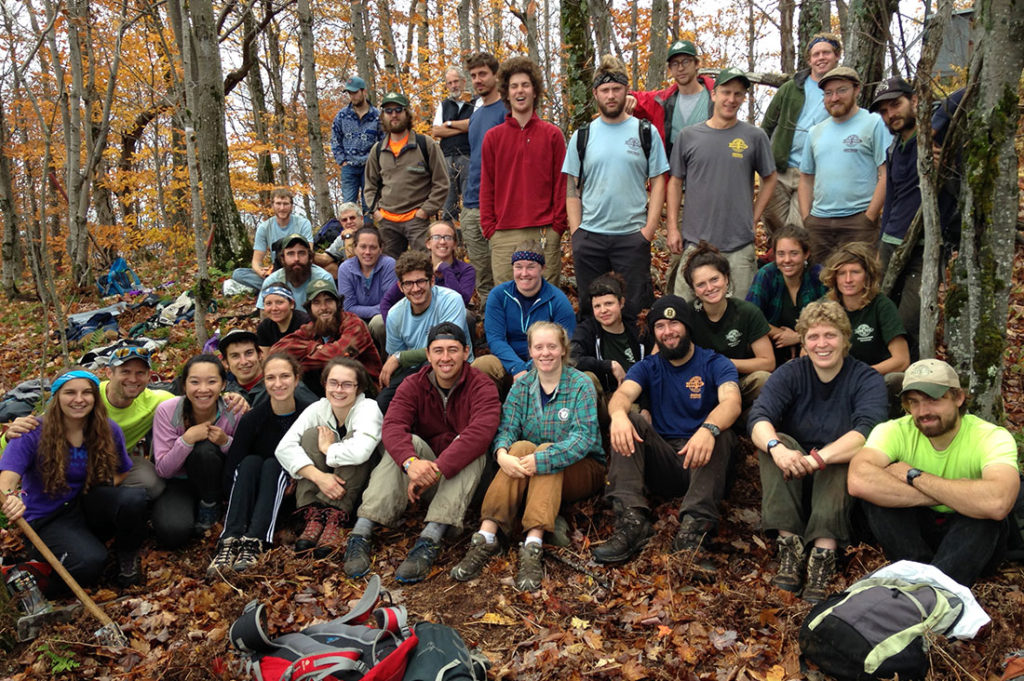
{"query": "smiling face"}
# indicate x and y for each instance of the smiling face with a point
(341, 387)
(672, 339)
(822, 58)
(840, 98)
(710, 285)
(441, 241)
(127, 382)
(416, 287)
(527, 276)
(446, 357)
(484, 80)
(368, 250)
(546, 351)
(323, 306)
(278, 308)
(934, 417)
(728, 98)
(243, 360)
(611, 99)
(203, 386)
(282, 208)
(521, 94)
(280, 379)
(790, 258)
(608, 309)
(824, 344)
(76, 398)
(898, 114)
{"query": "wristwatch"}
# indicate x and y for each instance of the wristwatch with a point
(771, 443)
(715, 430)
(447, 124)
(912, 475)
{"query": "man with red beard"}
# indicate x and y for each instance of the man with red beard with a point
(298, 271)
(332, 332)
(938, 484)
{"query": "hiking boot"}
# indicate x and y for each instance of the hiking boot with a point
(791, 563)
(357, 556)
(417, 564)
(227, 550)
(207, 515)
(479, 554)
(560, 537)
(129, 569)
(691, 534)
(821, 568)
(632, 530)
(314, 516)
(247, 554)
(531, 566)
(330, 539)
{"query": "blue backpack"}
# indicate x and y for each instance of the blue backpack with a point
(118, 279)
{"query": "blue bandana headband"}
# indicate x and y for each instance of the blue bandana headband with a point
(276, 290)
(59, 382)
(528, 255)
(833, 43)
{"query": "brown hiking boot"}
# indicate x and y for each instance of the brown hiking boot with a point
(821, 568)
(478, 555)
(314, 516)
(330, 539)
(791, 563)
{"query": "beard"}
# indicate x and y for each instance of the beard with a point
(327, 326)
(938, 427)
(678, 352)
(399, 125)
(612, 111)
(298, 273)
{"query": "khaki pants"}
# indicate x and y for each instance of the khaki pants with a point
(503, 245)
(784, 207)
(355, 477)
(385, 499)
(828, 234)
(479, 251)
(378, 332)
(544, 494)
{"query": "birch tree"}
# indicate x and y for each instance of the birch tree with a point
(324, 208)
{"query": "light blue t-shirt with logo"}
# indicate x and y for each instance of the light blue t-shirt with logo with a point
(269, 232)
(615, 175)
(812, 113)
(844, 159)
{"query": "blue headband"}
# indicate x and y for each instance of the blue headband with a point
(278, 290)
(822, 39)
(59, 382)
(528, 255)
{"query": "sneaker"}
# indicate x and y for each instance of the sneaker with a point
(791, 563)
(560, 537)
(129, 569)
(314, 516)
(417, 564)
(821, 568)
(632, 530)
(691, 534)
(330, 539)
(227, 549)
(357, 556)
(207, 515)
(531, 566)
(479, 554)
(247, 554)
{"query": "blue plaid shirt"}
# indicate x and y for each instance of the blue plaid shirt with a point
(352, 137)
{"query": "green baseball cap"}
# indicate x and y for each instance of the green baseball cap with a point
(731, 73)
(681, 47)
(395, 98)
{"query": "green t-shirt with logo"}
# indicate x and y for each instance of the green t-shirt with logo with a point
(733, 334)
(137, 418)
(874, 326)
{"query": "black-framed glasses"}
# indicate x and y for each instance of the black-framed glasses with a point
(414, 283)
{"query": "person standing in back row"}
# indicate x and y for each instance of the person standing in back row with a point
(354, 131)
(451, 127)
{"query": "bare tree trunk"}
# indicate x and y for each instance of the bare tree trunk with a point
(868, 35)
(423, 40)
(578, 60)
(254, 83)
(787, 53)
(676, 19)
(359, 44)
(634, 40)
(465, 45)
(477, 26)
(387, 39)
(978, 301)
(751, 56)
(275, 73)
(497, 30)
(324, 208)
(659, 47)
(527, 14)
(602, 18)
(11, 266)
(813, 19)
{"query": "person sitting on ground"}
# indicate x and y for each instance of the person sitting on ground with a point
(252, 472)
(350, 219)
(549, 451)
(281, 224)
(604, 344)
(425, 306)
(732, 327)
(853, 277)
(332, 332)
(282, 317)
(514, 306)
(436, 435)
(687, 446)
(191, 437)
(64, 479)
(812, 416)
(297, 272)
(331, 449)
(782, 289)
(938, 484)
(364, 279)
(244, 362)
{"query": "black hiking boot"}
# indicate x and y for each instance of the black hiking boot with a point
(632, 530)
(417, 564)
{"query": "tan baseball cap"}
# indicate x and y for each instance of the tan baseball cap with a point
(933, 377)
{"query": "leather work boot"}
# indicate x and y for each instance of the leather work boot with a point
(632, 530)
(691, 534)
(821, 568)
(330, 539)
(314, 516)
(791, 563)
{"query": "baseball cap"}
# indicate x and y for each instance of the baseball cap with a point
(893, 88)
(681, 47)
(236, 336)
(933, 377)
(354, 84)
(318, 286)
(395, 98)
(292, 238)
(446, 331)
(731, 73)
(669, 307)
(844, 72)
(128, 353)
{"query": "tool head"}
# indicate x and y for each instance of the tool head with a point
(111, 635)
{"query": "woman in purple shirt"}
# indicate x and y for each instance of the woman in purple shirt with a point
(68, 472)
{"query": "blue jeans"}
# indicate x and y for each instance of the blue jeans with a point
(352, 184)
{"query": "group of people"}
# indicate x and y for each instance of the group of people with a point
(360, 393)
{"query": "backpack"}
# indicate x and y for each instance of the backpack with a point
(583, 136)
(118, 279)
(327, 233)
(421, 144)
(878, 628)
(368, 643)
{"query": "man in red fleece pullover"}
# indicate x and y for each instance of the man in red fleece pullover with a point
(522, 189)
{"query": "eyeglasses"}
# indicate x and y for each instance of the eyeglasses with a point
(838, 92)
(441, 237)
(414, 283)
(131, 351)
(350, 218)
(680, 63)
(392, 110)
(347, 386)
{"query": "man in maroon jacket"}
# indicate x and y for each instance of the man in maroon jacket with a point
(437, 433)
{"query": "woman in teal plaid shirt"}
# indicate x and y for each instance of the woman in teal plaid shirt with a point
(549, 450)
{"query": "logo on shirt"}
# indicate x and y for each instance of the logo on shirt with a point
(738, 146)
(563, 414)
(852, 142)
(633, 145)
(734, 337)
(695, 386)
(629, 355)
(865, 333)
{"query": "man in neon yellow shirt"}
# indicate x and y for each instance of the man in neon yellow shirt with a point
(938, 484)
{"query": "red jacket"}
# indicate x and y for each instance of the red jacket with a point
(650, 105)
(521, 181)
(353, 341)
(458, 430)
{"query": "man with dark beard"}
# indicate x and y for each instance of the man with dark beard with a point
(687, 447)
(332, 332)
(298, 271)
(938, 484)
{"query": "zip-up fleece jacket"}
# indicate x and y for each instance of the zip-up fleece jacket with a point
(458, 427)
(408, 183)
(506, 322)
(780, 119)
(586, 350)
(657, 106)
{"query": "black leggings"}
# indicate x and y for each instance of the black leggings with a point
(174, 511)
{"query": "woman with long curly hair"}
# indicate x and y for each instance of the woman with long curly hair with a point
(64, 477)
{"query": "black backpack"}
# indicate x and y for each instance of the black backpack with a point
(583, 136)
